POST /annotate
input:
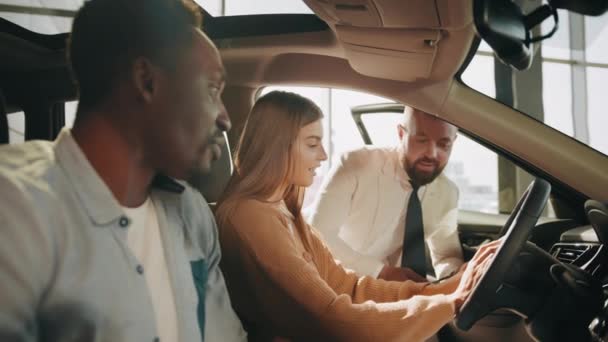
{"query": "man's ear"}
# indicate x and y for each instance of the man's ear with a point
(400, 131)
(145, 78)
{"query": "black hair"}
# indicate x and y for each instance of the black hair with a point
(109, 35)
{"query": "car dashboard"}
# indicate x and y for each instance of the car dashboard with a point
(584, 248)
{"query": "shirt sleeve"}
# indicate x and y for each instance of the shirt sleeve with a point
(444, 243)
(221, 322)
(315, 291)
(330, 211)
(26, 263)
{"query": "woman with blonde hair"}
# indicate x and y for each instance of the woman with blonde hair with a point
(282, 279)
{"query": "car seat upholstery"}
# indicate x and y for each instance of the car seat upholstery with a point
(212, 184)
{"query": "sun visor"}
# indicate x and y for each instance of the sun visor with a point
(401, 54)
(398, 39)
(378, 13)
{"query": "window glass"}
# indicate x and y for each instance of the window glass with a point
(39, 23)
(16, 127)
(213, 7)
(596, 39)
(344, 133)
(382, 128)
(483, 46)
(55, 4)
(70, 113)
(557, 97)
(596, 108)
(479, 75)
(557, 46)
(474, 169)
(242, 7)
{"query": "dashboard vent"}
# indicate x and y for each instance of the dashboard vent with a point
(576, 254)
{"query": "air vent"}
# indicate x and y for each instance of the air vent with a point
(570, 254)
(576, 254)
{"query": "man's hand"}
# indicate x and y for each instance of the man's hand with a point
(400, 274)
(473, 272)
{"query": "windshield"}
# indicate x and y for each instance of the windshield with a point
(564, 87)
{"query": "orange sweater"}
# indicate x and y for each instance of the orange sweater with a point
(283, 286)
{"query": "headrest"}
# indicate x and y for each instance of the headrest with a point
(4, 137)
(212, 184)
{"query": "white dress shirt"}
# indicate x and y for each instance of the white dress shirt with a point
(361, 207)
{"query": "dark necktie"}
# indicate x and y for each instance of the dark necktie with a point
(414, 255)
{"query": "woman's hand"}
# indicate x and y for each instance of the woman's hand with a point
(472, 272)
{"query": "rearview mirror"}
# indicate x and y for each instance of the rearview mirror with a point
(501, 24)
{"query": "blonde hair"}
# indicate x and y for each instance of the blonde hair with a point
(263, 159)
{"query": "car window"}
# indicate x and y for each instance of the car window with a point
(16, 127)
(475, 169)
(70, 113)
(54, 18)
(479, 75)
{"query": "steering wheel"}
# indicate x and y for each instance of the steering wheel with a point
(518, 226)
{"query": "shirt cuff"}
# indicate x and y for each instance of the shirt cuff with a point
(368, 267)
(447, 267)
(377, 268)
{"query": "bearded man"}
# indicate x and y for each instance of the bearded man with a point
(385, 211)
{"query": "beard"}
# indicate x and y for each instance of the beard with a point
(208, 153)
(419, 177)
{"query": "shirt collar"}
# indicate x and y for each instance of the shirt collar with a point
(393, 168)
(99, 202)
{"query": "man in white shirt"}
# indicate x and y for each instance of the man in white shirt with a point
(366, 208)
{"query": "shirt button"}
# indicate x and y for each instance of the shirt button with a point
(139, 269)
(123, 222)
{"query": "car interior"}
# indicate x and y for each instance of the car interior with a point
(549, 280)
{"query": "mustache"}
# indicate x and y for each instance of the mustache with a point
(427, 160)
